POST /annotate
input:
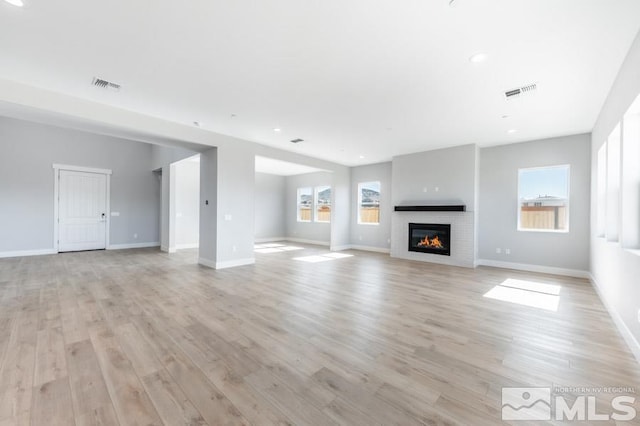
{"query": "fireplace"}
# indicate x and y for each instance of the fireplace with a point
(430, 238)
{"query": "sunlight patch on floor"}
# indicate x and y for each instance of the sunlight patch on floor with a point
(527, 293)
(274, 248)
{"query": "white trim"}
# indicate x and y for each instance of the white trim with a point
(21, 253)
(56, 200)
(164, 249)
(305, 241)
(82, 169)
(187, 246)
(568, 206)
(628, 337)
(131, 246)
(371, 248)
(226, 264)
(268, 240)
(577, 273)
(340, 248)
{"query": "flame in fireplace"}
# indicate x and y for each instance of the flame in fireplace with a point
(433, 242)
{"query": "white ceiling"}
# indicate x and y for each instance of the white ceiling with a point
(352, 78)
(282, 168)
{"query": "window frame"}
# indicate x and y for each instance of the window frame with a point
(358, 206)
(568, 207)
(316, 204)
(298, 204)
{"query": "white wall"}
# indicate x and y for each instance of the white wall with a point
(616, 271)
(498, 212)
(187, 204)
(372, 236)
(270, 206)
(309, 231)
(26, 183)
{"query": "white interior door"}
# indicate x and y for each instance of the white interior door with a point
(82, 211)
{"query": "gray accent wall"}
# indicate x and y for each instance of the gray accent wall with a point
(270, 206)
(439, 176)
(443, 176)
(372, 236)
(498, 212)
(615, 270)
(27, 182)
(310, 231)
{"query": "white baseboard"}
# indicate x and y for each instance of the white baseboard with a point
(305, 241)
(131, 246)
(534, 268)
(226, 264)
(187, 246)
(22, 253)
(370, 248)
(269, 240)
(628, 337)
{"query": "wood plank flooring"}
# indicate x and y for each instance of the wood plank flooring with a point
(139, 337)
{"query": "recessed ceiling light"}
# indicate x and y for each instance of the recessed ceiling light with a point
(196, 123)
(362, 157)
(277, 129)
(512, 130)
(18, 3)
(505, 116)
(452, 3)
(478, 57)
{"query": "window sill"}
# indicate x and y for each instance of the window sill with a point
(635, 252)
(548, 231)
(369, 224)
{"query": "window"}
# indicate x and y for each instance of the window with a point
(601, 224)
(543, 199)
(369, 203)
(631, 177)
(305, 199)
(613, 185)
(323, 204)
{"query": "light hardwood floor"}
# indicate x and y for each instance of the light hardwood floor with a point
(139, 337)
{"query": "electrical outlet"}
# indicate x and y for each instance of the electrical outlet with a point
(424, 189)
(498, 250)
(235, 249)
(437, 189)
(507, 251)
(360, 237)
(135, 236)
(228, 217)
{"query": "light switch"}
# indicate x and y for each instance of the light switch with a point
(227, 217)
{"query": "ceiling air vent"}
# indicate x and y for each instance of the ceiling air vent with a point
(297, 140)
(518, 91)
(105, 84)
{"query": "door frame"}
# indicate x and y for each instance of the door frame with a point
(56, 199)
